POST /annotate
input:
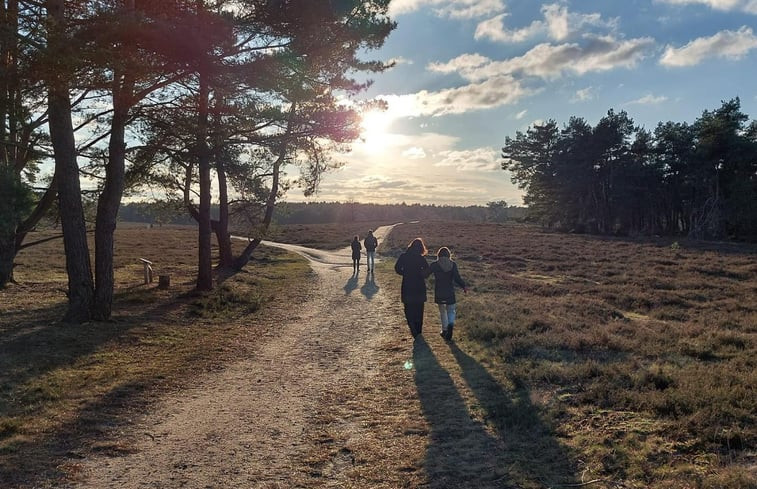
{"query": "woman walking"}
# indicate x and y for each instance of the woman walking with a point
(413, 267)
(446, 276)
(356, 247)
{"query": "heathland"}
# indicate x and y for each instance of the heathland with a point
(618, 362)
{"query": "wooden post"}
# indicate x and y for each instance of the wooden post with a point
(164, 281)
(148, 270)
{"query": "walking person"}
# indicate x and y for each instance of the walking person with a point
(370, 243)
(414, 268)
(356, 247)
(446, 275)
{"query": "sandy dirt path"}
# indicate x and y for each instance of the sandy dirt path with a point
(261, 422)
(336, 394)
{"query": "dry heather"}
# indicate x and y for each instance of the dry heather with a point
(639, 354)
(613, 363)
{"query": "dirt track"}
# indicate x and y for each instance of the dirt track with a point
(327, 398)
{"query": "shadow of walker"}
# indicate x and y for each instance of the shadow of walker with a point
(351, 284)
(461, 453)
(369, 288)
(531, 452)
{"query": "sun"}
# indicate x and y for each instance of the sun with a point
(374, 129)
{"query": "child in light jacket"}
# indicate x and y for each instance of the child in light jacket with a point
(446, 276)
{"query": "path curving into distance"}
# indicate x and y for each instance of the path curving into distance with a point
(332, 393)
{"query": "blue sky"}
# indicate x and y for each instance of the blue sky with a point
(470, 72)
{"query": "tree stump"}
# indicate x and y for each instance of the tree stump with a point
(164, 281)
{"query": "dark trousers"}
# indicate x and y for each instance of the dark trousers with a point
(414, 316)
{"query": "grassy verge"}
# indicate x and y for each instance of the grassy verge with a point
(639, 355)
(61, 386)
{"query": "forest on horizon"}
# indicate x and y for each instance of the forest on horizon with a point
(332, 212)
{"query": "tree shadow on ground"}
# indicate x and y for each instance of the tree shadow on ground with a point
(531, 451)
(38, 344)
(51, 459)
(461, 453)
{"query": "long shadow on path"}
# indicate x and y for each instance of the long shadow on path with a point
(351, 284)
(530, 450)
(461, 454)
(369, 288)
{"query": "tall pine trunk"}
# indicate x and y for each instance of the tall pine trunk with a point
(107, 213)
(80, 285)
(204, 257)
(110, 199)
(7, 256)
(225, 255)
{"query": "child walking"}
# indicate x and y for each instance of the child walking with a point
(356, 247)
(446, 276)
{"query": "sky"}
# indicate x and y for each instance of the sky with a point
(468, 73)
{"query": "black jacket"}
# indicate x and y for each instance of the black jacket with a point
(355, 245)
(444, 283)
(370, 243)
(414, 270)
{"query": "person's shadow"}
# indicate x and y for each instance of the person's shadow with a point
(369, 288)
(460, 453)
(351, 283)
(531, 451)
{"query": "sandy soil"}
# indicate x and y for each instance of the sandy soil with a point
(335, 395)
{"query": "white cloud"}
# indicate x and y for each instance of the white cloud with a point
(470, 160)
(454, 9)
(648, 100)
(494, 30)
(414, 153)
(552, 61)
(520, 115)
(470, 9)
(725, 44)
(584, 94)
(748, 6)
(496, 91)
(464, 62)
(558, 24)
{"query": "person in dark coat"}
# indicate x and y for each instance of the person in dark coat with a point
(446, 275)
(371, 243)
(413, 267)
(356, 247)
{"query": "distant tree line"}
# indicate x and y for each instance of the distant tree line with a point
(330, 212)
(327, 212)
(697, 179)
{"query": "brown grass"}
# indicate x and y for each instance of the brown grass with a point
(639, 355)
(624, 363)
(61, 384)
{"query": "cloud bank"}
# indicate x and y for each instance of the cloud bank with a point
(558, 24)
(747, 6)
(725, 44)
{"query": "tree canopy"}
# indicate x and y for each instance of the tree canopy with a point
(183, 91)
(695, 179)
